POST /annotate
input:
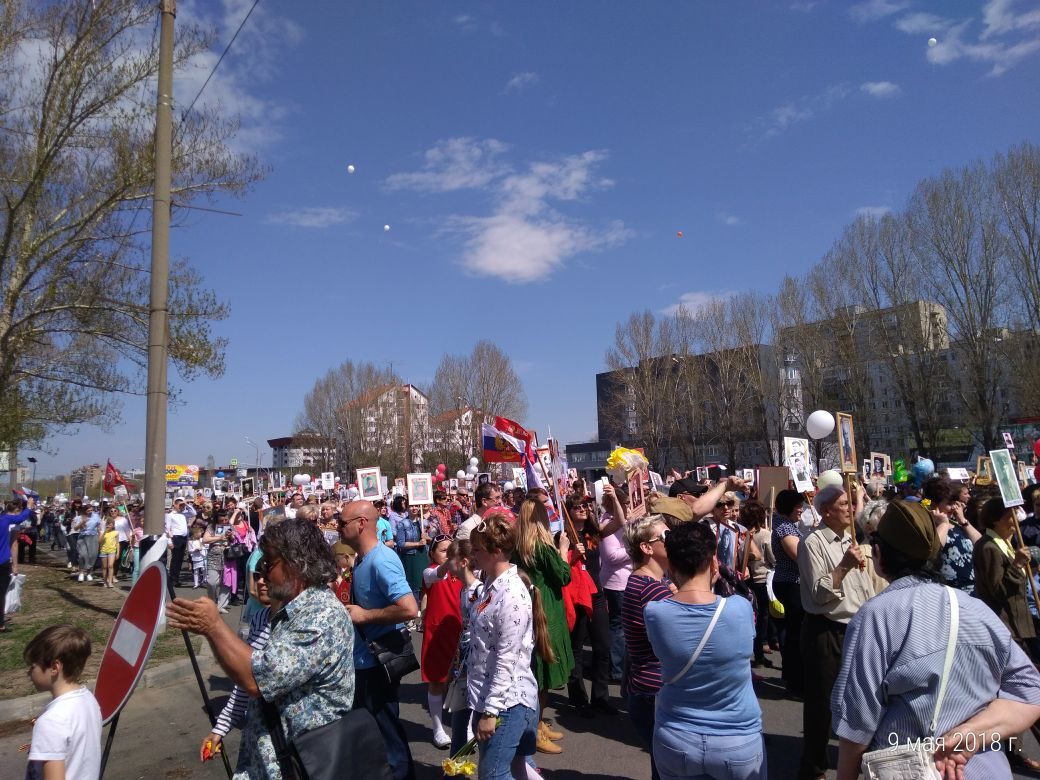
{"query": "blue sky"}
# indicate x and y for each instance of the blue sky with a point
(538, 159)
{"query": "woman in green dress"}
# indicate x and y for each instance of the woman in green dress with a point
(546, 565)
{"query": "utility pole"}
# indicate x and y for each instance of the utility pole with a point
(158, 303)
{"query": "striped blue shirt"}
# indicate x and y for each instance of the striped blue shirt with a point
(892, 663)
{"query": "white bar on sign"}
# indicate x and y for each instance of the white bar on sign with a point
(128, 641)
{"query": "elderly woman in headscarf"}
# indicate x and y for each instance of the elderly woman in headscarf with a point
(895, 651)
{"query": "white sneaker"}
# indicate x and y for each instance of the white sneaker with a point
(90, 578)
(441, 740)
(80, 577)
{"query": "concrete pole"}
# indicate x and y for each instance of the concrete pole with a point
(158, 305)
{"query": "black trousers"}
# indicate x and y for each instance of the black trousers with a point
(373, 692)
(5, 581)
(822, 640)
(597, 630)
(790, 595)
(180, 544)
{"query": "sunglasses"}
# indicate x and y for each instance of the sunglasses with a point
(438, 539)
(661, 538)
(724, 504)
(265, 565)
(345, 523)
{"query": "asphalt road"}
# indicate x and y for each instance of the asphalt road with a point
(160, 731)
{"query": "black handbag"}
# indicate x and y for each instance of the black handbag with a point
(349, 748)
(393, 652)
(235, 551)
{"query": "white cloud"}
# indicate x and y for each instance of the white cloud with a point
(999, 17)
(801, 110)
(922, 23)
(526, 237)
(692, 301)
(521, 80)
(455, 164)
(805, 6)
(314, 217)
(465, 22)
(880, 89)
(872, 10)
(1010, 34)
(873, 212)
(730, 220)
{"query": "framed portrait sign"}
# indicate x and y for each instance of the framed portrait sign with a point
(846, 444)
(796, 458)
(983, 471)
(370, 483)
(866, 470)
(484, 478)
(1007, 477)
(702, 474)
(420, 488)
(636, 495)
(248, 487)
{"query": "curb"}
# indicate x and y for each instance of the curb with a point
(29, 707)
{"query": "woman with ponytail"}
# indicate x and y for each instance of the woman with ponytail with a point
(501, 686)
(548, 567)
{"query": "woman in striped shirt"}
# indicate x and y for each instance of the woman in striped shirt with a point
(234, 711)
(644, 540)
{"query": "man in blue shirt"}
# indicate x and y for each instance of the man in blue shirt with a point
(381, 602)
(13, 515)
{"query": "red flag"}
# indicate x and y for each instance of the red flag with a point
(113, 478)
(513, 429)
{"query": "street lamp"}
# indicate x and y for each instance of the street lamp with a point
(255, 446)
(33, 461)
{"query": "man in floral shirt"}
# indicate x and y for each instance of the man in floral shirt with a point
(307, 669)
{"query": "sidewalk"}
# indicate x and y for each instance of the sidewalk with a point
(53, 595)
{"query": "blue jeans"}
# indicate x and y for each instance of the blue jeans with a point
(617, 633)
(642, 709)
(514, 738)
(373, 692)
(685, 755)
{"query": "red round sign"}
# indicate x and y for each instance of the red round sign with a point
(130, 643)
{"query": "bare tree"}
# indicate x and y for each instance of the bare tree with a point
(76, 140)
(956, 234)
(644, 384)
(348, 419)
(485, 380)
(1016, 180)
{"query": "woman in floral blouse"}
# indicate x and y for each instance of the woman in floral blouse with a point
(509, 625)
(956, 535)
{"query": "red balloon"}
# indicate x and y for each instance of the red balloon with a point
(440, 467)
(679, 233)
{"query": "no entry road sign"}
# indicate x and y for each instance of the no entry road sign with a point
(131, 641)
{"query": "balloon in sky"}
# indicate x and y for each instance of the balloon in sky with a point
(350, 169)
(386, 228)
(933, 42)
(679, 233)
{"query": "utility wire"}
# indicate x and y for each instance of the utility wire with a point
(217, 65)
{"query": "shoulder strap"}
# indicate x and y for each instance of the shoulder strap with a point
(951, 643)
(702, 643)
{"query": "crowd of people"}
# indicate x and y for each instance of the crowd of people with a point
(896, 615)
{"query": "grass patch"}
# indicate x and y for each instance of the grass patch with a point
(51, 596)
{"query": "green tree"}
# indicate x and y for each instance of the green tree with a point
(76, 148)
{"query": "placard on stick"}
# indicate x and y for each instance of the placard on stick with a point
(775, 478)
(1007, 478)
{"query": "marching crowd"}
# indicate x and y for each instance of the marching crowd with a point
(910, 633)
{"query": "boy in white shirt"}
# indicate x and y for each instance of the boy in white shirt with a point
(66, 740)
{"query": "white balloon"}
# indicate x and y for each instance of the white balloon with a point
(350, 169)
(474, 461)
(300, 479)
(507, 486)
(472, 471)
(829, 478)
(933, 42)
(386, 228)
(461, 474)
(820, 424)
(306, 479)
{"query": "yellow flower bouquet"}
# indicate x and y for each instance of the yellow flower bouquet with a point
(624, 462)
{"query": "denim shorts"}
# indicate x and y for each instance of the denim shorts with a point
(685, 755)
(515, 736)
